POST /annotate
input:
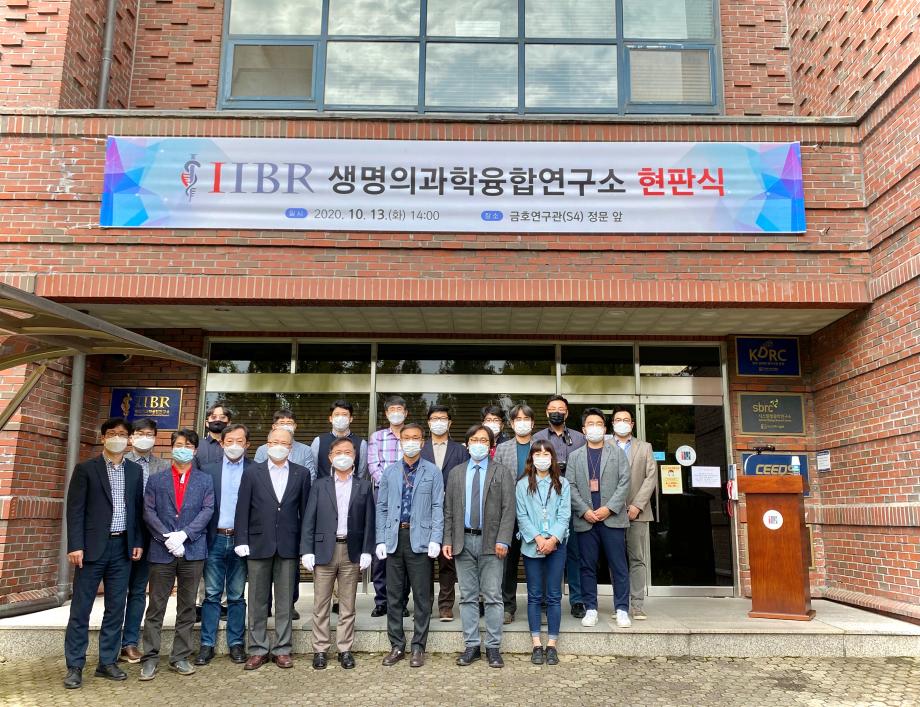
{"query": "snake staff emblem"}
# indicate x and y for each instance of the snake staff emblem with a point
(190, 176)
(126, 405)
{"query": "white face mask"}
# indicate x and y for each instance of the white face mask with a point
(622, 428)
(341, 423)
(542, 463)
(396, 418)
(343, 462)
(116, 445)
(234, 452)
(289, 428)
(479, 451)
(594, 433)
(494, 426)
(411, 448)
(143, 444)
(278, 452)
(522, 428)
(439, 427)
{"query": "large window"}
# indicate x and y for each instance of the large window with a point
(494, 56)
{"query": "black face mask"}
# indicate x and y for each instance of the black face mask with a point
(216, 426)
(556, 418)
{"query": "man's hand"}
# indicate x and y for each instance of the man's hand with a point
(501, 550)
(137, 553)
(590, 516)
(75, 558)
(448, 551)
(241, 550)
(381, 551)
(602, 513)
(434, 549)
(179, 551)
(309, 562)
(633, 512)
(364, 561)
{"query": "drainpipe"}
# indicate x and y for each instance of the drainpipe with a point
(78, 379)
(108, 42)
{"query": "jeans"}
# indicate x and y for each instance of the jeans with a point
(545, 572)
(223, 569)
(479, 573)
(137, 602)
(613, 543)
(573, 568)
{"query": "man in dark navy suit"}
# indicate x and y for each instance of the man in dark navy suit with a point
(446, 454)
(269, 514)
(104, 534)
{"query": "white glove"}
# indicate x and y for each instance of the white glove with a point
(365, 561)
(179, 551)
(241, 550)
(434, 549)
(175, 539)
(381, 551)
(309, 562)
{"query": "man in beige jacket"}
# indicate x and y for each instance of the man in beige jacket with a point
(643, 479)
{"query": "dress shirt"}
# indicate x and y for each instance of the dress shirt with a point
(144, 461)
(470, 472)
(440, 451)
(342, 499)
(409, 470)
(624, 445)
(279, 476)
(562, 449)
(116, 473)
(383, 449)
(300, 454)
(230, 476)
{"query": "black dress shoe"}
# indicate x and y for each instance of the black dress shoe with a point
(197, 614)
(578, 610)
(74, 678)
(111, 672)
(205, 655)
(379, 610)
(552, 657)
(537, 656)
(406, 613)
(319, 661)
(469, 656)
(494, 656)
(238, 653)
(295, 615)
(335, 607)
(347, 660)
(418, 658)
(394, 656)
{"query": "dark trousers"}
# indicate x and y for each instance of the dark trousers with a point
(113, 568)
(613, 543)
(415, 570)
(447, 578)
(137, 602)
(185, 574)
(510, 579)
(379, 575)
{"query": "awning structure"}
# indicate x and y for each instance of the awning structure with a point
(35, 329)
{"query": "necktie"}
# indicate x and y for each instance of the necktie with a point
(475, 520)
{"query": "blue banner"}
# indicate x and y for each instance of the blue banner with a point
(160, 404)
(768, 356)
(773, 465)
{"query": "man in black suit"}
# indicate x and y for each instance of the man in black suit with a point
(446, 454)
(105, 505)
(336, 544)
(269, 514)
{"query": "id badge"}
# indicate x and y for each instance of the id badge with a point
(545, 527)
(594, 485)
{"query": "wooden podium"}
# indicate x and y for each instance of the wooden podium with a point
(777, 547)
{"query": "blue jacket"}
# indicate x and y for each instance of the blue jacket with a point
(426, 518)
(161, 518)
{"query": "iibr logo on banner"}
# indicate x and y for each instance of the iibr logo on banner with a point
(189, 176)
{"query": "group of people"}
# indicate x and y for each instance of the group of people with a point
(396, 504)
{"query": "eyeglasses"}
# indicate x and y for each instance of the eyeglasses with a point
(438, 419)
(112, 434)
(145, 433)
(479, 440)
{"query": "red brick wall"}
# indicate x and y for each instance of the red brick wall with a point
(33, 35)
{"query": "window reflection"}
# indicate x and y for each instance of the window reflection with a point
(475, 75)
(667, 19)
(372, 73)
(571, 76)
(374, 17)
(475, 18)
(272, 70)
(571, 18)
(276, 17)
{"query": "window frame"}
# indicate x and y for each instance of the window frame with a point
(623, 44)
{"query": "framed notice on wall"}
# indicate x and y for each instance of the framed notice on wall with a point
(771, 356)
(772, 414)
(162, 405)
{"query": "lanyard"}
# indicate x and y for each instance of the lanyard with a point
(594, 473)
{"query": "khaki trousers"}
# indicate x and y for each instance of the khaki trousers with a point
(324, 577)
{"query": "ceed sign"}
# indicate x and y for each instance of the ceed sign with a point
(160, 404)
(768, 356)
(774, 465)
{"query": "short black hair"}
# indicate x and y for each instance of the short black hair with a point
(522, 408)
(555, 398)
(282, 413)
(114, 422)
(190, 436)
(339, 441)
(233, 428)
(344, 404)
(222, 405)
(439, 408)
(392, 401)
(412, 426)
(620, 408)
(477, 428)
(492, 410)
(145, 423)
(589, 412)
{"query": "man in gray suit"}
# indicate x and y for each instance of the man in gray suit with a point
(643, 473)
(598, 474)
(478, 523)
(410, 526)
(143, 440)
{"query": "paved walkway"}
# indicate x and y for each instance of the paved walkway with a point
(576, 681)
